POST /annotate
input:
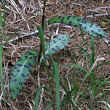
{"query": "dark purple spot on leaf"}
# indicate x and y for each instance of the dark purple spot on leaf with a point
(62, 36)
(26, 57)
(66, 35)
(25, 80)
(10, 81)
(11, 90)
(99, 30)
(85, 27)
(59, 38)
(35, 57)
(23, 75)
(79, 19)
(59, 17)
(18, 89)
(63, 42)
(54, 41)
(47, 55)
(62, 19)
(57, 47)
(92, 31)
(29, 53)
(97, 26)
(64, 45)
(84, 21)
(80, 25)
(29, 70)
(18, 70)
(20, 83)
(54, 49)
(91, 25)
(74, 16)
(20, 59)
(30, 64)
(12, 75)
(19, 64)
(76, 25)
(26, 66)
(45, 49)
(17, 94)
(101, 35)
(70, 23)
(14, 67)
(14, 80)
(30, 58)
(27, 75)
(68, 17)
(11, 78)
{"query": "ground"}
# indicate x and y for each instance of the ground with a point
(27, 14)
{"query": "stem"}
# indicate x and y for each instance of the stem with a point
(1, 72)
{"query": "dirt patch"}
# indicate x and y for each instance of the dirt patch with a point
(27, 14)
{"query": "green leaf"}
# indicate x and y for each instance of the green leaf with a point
(42, 39)
(93, 49)
(90, 108)
(37, 98)
(55, 45)
(91, 28)
(48, 106)
(1, 74)
(12, 35)
(77, 66)
(56, 71)
(21, 71)
(1, 23)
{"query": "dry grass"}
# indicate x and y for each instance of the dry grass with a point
(27, 15)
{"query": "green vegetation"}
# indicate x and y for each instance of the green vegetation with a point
(25, 63)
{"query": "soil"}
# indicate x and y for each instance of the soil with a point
(27, 14)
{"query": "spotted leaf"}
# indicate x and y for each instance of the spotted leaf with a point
(90, 28)
(55, 45)
(21, 71)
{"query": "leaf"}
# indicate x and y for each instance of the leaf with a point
(48, 106)
(22, 68)
(42, 41)
(91, 28)
(103, 24)
(37, 98)
(55, 45)
(1, 75)
(77, 66)
(1, 23)
(12, 35)
(79, 13)
(56, 72)
(21, 71)
(38, 95)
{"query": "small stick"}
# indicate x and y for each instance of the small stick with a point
(36, 31)
(106, 41)
(98, 15)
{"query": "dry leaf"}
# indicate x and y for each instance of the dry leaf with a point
(79, 13)
(104, 25)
